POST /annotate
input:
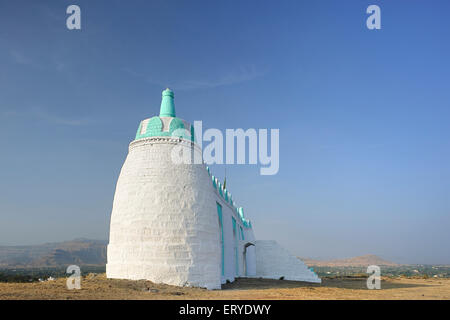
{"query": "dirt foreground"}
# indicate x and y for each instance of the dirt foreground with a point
(96, 286)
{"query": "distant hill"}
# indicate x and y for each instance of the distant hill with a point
(93, 252)
(78, 251)
(361, 261)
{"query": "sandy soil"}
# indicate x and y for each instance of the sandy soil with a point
(96, 286)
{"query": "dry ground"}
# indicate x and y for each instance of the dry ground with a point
(96, 286)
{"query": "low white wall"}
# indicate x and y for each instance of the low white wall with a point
(274, 262)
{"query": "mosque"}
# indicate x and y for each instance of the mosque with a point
(177, 223)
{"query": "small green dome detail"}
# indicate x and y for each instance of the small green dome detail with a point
(154, 127)
(214, 182)
(177, 129)
(225, 192)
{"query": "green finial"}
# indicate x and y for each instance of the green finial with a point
(167, 105)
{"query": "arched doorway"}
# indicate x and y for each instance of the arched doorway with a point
(248, 244)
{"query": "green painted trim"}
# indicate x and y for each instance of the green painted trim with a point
(219, 185)
(219, 212)
(193, 138)
(235, 245)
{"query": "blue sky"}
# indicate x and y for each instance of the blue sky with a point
(363, 115)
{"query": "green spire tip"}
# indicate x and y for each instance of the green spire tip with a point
(167, 104)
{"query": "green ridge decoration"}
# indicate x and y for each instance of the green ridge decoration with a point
(228, 198)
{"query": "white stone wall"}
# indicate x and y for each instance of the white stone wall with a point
(230, 272)
(164, 224)
(274, 262)
(228, 212)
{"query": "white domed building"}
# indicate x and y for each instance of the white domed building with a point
(176, 224)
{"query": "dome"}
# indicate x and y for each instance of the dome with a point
(166, 124)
